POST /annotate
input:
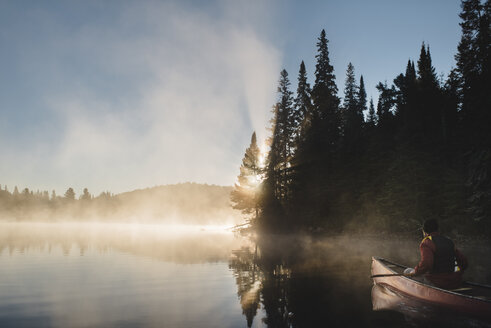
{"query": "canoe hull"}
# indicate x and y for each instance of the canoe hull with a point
(421, 291)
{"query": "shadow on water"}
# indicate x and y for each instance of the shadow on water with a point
(320, 282)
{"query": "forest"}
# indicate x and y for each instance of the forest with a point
(421, 150)
(184, 203)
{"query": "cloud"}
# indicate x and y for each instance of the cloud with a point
(160, 93)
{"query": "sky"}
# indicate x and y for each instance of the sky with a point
(121, 95)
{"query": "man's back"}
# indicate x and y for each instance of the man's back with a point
(438, 261)
(444, 257)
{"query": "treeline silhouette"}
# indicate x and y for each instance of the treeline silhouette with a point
(180, 203)
(423, 151)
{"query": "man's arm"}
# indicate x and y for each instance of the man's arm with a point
(426, 262)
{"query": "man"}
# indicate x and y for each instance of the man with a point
(441, 262)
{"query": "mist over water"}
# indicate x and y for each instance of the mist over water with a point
(154, 275)
(124, 275)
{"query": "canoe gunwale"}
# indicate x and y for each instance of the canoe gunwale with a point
(382, 260)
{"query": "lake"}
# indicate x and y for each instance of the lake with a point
(130, 275)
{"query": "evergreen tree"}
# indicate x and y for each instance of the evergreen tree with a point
(428, 100)
(372, 117)
(362, 97)
(282, 139)
(276, 187)
(245, 196)
(286, 119)
(473, 65)
(451, 105)
(426, 71)
(316, 158)
(86, 195)
(326, 122)
(53, 194)
(405, 99)
(350, 90)
(353, 113)
(303, 105)
(70, 194)
(386, 102)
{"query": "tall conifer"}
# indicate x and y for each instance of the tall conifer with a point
(326, 123)
(303, 105)
(362, 96)
(245, 196)
(372, 117)
(353, 114)
(281, 140)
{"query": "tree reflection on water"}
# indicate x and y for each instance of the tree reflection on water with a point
(309, 282)
(248, 279)
(293, 280)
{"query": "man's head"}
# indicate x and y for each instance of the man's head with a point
(430, 226)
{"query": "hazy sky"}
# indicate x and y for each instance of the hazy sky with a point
(118, 95)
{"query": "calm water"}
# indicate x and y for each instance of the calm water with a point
(96, 275)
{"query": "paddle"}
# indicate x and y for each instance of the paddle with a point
(387, 275)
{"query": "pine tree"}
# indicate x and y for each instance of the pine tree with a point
(245, 196)
(350, 89)
(405, 95)
(362, 97)
(473, 65)
(428, 99)
(286, 118)
(326, 122)
(372, 117)
(70, 194)
(303, 105)
(316, 159)
(426, 71)
(86, 195)
(385, 103)
(451, 105)
(467, 56)
(276, 186)
(280, 155)
(353, 114)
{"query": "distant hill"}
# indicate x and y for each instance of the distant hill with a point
(184, 202)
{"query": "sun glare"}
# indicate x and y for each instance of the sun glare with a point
(262, 154)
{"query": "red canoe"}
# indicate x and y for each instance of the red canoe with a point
(470, 298)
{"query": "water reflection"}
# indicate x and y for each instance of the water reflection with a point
(320, 282)
(249, 281)
(301, 283)
(97, 275)
(177, 244)
(110, 275)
